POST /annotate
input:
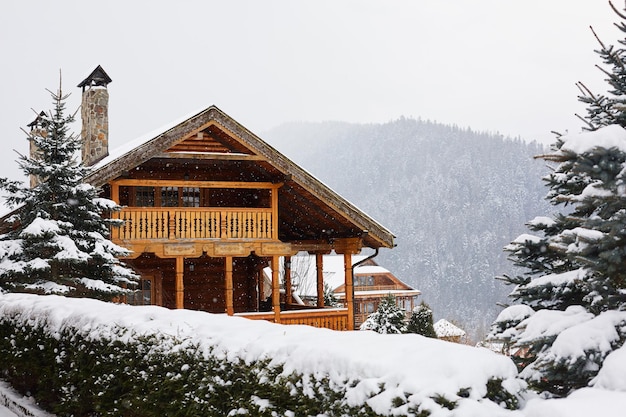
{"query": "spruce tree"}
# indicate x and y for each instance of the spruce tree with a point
(59, 240)
(421, 321)
(388, 318)
(575, 278)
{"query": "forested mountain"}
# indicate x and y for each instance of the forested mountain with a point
(453, 197)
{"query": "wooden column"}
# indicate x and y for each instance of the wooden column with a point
(115, 192)
(276, 288)
(347, 261)
(288, 290)
(115, 196)
(319, 267)
(228, 268)
(180, 288)
(274, 198)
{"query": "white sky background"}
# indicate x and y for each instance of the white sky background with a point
(495, 65)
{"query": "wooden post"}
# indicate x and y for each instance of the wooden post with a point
(274, 197)
(180, 289)
(347, 262)
(287, 268)
(275, 289)
(228, 267)
(115, 192)
(115, 196)
(319, 265)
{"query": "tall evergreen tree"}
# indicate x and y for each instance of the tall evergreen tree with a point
(59, 240)
(388, 318)
(576, 268)
(421, 321)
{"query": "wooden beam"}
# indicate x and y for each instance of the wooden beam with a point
(180, 289)
(192, 183)
(349, 284)
(274, 204)
(275, 289)
(288, 289)
(319, 266)
(211, 156)
(228, 267)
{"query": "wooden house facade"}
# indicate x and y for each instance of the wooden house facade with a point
(207, 205)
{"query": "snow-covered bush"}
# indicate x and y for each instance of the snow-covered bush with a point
(86, 357)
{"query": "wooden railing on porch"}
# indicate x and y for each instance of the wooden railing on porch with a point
(329, 318)
(142, 223)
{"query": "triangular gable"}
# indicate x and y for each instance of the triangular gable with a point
(208, 140)
(225, 135)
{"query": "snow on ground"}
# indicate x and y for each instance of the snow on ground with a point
(14, 405)
(405, 363)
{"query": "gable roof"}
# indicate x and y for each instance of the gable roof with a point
(444, 328)
(211, 131)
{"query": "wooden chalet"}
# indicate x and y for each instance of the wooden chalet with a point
(207, 205)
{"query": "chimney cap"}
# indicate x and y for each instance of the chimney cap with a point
(98, 77)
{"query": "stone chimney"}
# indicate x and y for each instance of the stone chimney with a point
(37, 127)
(95, 116)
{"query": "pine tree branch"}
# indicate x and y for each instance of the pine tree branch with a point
(611, 54)
(587, 122)
(620, 14)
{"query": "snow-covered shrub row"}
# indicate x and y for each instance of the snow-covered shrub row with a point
(86, 357)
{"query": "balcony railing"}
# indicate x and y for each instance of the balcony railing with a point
(145, 223)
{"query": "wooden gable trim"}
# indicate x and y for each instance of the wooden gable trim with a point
(211, 156)
(200, 184)
(367, 225)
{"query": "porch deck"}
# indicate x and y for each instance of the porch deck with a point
(329, 318)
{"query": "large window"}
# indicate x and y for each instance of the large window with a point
(363, 281)
(142, 296)
(142, 196)
(191, 197)
(169, 196)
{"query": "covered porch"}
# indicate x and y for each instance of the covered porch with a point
(227, 277)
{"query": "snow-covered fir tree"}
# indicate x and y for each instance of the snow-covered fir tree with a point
(58, 240)
(421, 321)
(388, 318)
(575, 281)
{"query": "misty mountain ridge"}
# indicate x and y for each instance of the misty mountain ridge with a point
(452, 196)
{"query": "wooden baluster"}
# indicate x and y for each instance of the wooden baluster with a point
(224, 226)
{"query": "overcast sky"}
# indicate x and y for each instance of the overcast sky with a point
(496, 65)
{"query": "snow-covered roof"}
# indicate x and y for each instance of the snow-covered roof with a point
(444, 328)
(151, 145)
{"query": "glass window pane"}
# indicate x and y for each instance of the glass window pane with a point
(144, 196)
(169, 197)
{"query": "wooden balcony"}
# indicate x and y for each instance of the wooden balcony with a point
(172, 223)
(329, 318)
